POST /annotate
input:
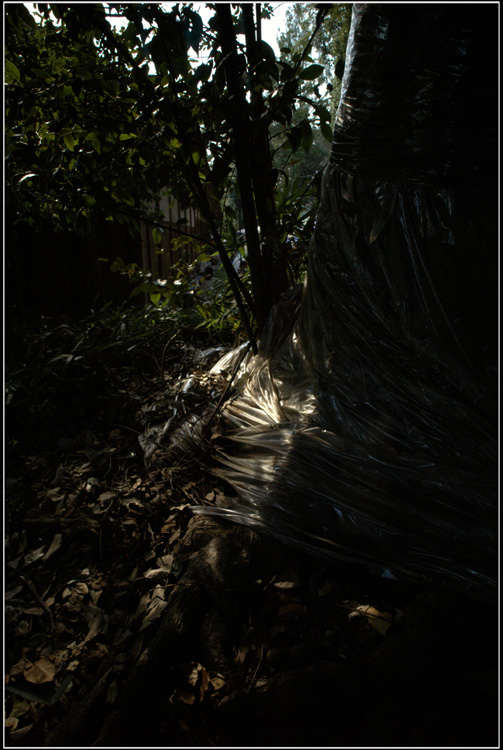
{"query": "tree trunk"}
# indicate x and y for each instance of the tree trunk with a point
(240, 120)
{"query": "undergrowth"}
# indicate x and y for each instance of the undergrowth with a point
(61, 372)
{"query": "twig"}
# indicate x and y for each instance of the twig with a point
(164, 352)
(252, 682)
(40, 601)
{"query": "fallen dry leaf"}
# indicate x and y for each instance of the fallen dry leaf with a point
(55, 494)
(170, 524)
(134, 574)
(159, 592)
(120, 636)
(18, 734)
(197, 680)
(380, 621)
(106, 496)
(95, 594)
(20, 706)
(217, 683)
(22, 628)
(289, 578)
(112, 692)
(205, 681)
(193, 676)
(59, 657)
(187, 697)
(81, 588)
(142, 605)
(165, 564)
(92, 485)
(13, 592)
(54, 546)
(17, 668)
(41, 671)
(325, 589)
(96, 619)
(74, 597)
(242, 654)
(292, 612)
(165, 559)
(175, 537)
(276, 629)
(136, 647)
(285, 585)
(132, 502)
(156, 571)
(35, 555)
(154, 611)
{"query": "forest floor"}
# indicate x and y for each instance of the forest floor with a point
(131, 622)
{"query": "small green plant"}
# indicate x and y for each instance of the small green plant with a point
(209, 302)
(62, 371)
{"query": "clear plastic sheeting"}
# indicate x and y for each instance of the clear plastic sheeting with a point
(419, 98)
(365, 428)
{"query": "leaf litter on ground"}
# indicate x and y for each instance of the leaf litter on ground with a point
(88, 472)
(102, 504)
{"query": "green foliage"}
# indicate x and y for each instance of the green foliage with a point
(317, 89)
(218, 310)
(100, 119)
(213, 306)
(54, 114)
(126, 333)
(328, 46)
(65, 371)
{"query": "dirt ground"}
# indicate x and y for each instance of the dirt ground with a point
(131, 622)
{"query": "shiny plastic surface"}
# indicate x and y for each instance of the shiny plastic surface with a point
(419, 97)
(366, 426)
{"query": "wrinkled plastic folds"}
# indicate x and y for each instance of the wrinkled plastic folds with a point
(366, 426)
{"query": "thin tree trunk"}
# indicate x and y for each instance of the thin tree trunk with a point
(263, 173)
(240, 121)
(205, 203)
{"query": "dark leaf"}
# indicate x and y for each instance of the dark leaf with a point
(311, 72)
(266, 51)
(326, 131)
(295, 138)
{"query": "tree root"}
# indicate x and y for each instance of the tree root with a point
(381, 698)
(220, 561)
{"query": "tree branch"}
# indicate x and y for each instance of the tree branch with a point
(201, 196)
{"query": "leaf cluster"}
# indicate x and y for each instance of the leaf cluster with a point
(328, 47)
(63, 371)
(101, 118)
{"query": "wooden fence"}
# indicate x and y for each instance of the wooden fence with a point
(160, 259)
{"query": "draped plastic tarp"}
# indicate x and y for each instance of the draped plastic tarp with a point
(366, 426)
